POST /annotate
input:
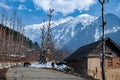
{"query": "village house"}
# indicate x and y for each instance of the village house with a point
(86, 60)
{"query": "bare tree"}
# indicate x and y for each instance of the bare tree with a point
(2, 17)
(47, 45)
(50, 43)
(13, 34)
(49, 36)
(6, 20)
(43, 44)
(48, 49)
(10, 38)
(2, 33)
(21, 40)
(18, 37)
(4, 39)
(14, 23)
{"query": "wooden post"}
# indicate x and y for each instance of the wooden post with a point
(103, 2)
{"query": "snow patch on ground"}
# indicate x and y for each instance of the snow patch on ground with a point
(47, 65)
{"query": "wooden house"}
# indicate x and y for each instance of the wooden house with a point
(87, 59)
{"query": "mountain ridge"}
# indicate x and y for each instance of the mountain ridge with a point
(82, 30)
(93, 32)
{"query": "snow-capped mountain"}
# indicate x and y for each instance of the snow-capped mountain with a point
(64, 32)
(93, 32)
(72, 32)
(61, 29)
(33, 31)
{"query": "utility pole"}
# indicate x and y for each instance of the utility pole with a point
(103, 2)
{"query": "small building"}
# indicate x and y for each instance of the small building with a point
(87, 59)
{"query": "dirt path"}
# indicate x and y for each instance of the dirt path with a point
(38, 74)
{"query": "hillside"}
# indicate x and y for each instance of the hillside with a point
(14, 44)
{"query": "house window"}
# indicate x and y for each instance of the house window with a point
(110, 63)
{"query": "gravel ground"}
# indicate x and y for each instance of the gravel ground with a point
(22, 73)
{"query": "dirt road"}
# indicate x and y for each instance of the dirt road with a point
(22, 73)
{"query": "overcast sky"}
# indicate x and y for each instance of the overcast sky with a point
(34, 11)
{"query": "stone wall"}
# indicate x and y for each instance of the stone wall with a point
(111, 72)
(113, 63)
(93, 68)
